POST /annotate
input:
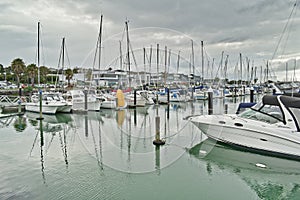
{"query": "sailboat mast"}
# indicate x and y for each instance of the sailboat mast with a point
(63, 58)
(38, 52)
(241, 67)
(150, 60)
(193, 61)
(169, 60)
(128, 53)
(121, 59)
(100, 41)
(166, 54)
(144, 52)
(157, 63)
(178, 57)
(267, 70)
(286, 71)
(63, 53)
(202, 57)
(225, 67)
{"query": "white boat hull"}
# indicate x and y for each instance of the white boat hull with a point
(250, 134)
(108, 104)
(46, 108)
(91, 106)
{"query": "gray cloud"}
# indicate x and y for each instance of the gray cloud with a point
(233, 26)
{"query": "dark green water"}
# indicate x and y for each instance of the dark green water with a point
(109, 155)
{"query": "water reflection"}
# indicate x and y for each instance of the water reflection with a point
(42, 150)
(51, 127)
(20, 123)
(124, 140)
(269, 177)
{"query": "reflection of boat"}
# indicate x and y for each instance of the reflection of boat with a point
(120, 117)
(54, 119)
(269, 177)
(271, 127)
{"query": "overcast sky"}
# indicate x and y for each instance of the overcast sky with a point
(252, 28)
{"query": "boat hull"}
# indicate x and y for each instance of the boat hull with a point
(250, 134)
(108, 104)
(46, 108)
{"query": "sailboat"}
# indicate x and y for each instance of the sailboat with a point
(43, 103)
(136, 99)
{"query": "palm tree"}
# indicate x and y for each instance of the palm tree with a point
(44, 71)
(31, 72)
(18, 67)
(69, 75)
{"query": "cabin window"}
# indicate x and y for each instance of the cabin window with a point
(272, 117)
(296, 113)
(273, 111)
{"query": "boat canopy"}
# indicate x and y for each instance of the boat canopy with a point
(291, 102)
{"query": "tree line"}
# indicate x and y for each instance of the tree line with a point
(18, 72)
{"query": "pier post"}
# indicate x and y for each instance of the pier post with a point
(168, 93)
(210, 102)
(20, 100)
(134, 117)
(251, 95)
(157, 141)
(85, 99)
(226, 109)
(235, 92)
(134, 97)
(193, 90)
(41, 105)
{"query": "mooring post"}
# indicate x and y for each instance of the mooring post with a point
(235, 90)
(134, 97)
(210, 101)
(168, 93)
(20, 100)
(193, 90)
(157, 128)
(41, 105)
(157, 141)
(251, 95)
(85, 99)
(226, 109)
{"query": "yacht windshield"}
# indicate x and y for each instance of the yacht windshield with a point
(266, 113)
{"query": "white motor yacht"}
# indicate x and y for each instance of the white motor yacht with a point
(271, 126)
(77, 99)
(49, 104)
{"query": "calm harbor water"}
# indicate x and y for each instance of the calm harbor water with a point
(110, 155)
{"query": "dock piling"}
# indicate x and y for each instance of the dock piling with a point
(41, 105)
(251, 95)
(226, 109)
(210, 102)
(157, 141)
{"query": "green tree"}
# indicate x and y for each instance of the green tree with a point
(1, 68)
(31, 71)
(18, 67)
(76, 70)
(69, 75)
(44, 71)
